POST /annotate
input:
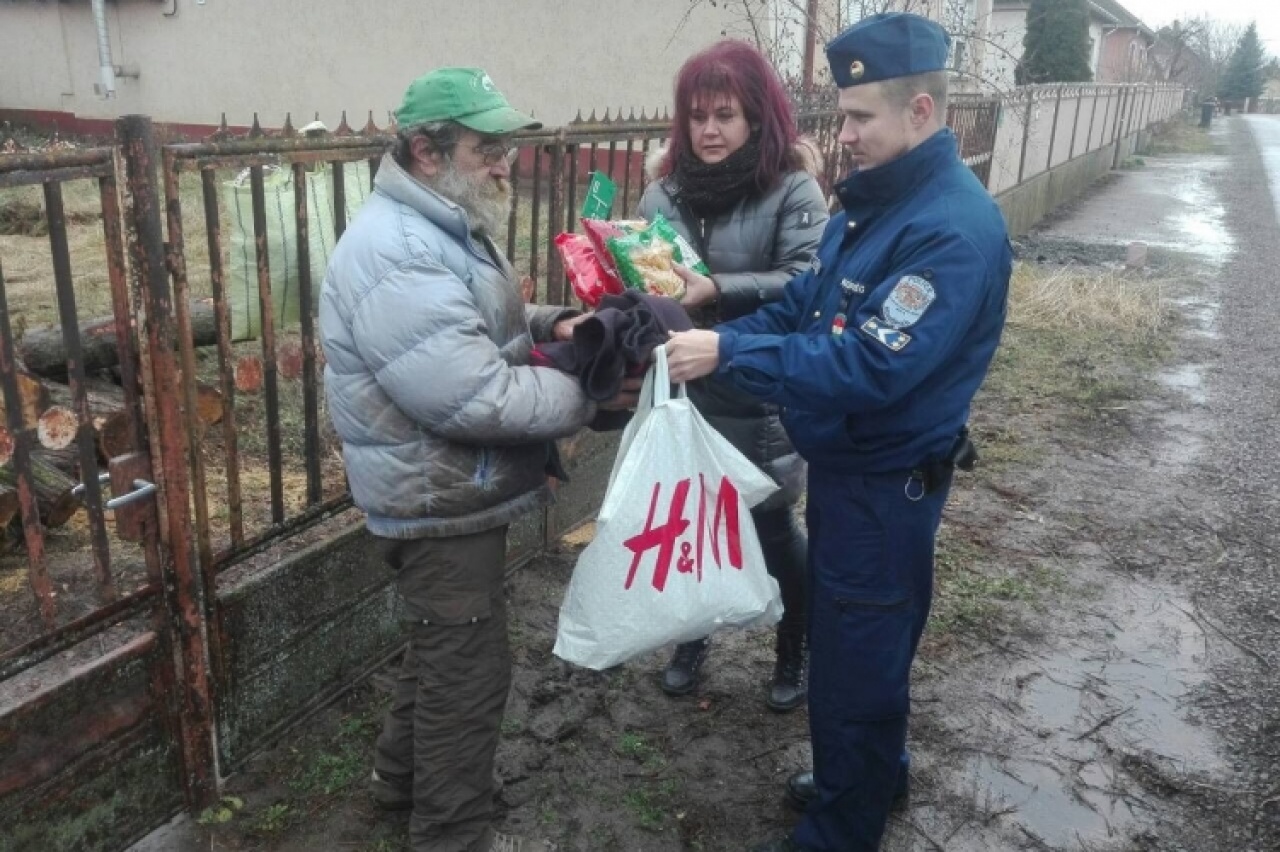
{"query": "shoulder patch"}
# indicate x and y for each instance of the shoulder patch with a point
(908, 301)
(886, 335)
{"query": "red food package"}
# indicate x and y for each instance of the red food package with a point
(600, 231)
(588, 278)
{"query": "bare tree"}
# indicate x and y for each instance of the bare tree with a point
(1213, 42)
(779, 28)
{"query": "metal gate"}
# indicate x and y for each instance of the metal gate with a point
(214, 585)
(105, 713)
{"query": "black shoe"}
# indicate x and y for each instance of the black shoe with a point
(789, 690)
(391, 793)
(802, 790)
(395, 793)
(681, 675)
(781, 844)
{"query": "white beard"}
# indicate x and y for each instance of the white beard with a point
(485, 199)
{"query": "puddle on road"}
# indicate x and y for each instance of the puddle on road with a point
(1188, 378)
(1062, 814)
(1118, 689)
(1170, 204)
(1201, 314)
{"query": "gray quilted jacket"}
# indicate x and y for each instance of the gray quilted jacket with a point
(445, 428)
(752, 252)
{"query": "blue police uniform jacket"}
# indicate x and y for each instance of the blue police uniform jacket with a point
(877, 350)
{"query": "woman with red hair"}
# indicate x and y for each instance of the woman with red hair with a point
(739, 184)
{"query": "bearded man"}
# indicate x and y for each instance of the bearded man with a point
(448, 436)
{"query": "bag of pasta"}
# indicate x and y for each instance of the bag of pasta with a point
(645, 259)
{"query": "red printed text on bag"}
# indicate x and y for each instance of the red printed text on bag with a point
(664, 538)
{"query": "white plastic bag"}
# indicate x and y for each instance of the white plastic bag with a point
(675, 556)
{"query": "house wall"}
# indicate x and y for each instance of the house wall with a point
(1008, 27)
(1124, 57)
(1097, 36)
(551, 57)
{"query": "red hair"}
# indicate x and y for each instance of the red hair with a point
(732, 67)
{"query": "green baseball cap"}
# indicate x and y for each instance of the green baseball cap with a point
(464, 95)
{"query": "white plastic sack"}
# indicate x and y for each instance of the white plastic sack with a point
(675, 556)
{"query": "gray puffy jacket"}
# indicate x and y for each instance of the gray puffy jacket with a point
(752, 252)
(445, 428)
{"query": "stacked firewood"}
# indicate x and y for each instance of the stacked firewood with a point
(47, 408)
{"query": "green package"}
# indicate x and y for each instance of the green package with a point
(685, 253)
(600, 194)
(645, 256)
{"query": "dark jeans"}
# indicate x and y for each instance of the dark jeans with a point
(871, 586)
(786, 550)
(446, 716)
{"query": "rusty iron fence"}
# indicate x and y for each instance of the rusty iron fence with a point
(177, 600)
(113, 688)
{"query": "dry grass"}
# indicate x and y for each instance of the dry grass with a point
(1079, 343)
(1078, 347)
(1087, 301)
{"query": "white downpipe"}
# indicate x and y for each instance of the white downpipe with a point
(106, 68)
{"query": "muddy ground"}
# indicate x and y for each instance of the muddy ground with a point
(1100, 672)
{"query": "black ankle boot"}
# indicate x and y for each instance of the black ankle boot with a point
(803, 790)
(681, 674)
(789, 689)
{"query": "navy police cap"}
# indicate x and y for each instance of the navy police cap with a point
(881, 47)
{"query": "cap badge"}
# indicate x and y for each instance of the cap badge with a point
(486, 83)
(856, 70)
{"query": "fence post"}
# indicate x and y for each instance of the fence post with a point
(1026, 132)
(992, 139)
(1053, 130)
(1093, 117)
(183, 582)
(1117, 135)
(555, 217)
(1075, 122)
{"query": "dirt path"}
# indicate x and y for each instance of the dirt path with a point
(1131, 703)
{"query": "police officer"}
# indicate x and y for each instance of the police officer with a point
(875, 353)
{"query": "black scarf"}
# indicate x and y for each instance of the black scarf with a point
(714, 188)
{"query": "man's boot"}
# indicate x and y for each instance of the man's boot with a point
(391, 793)
(681, 674)
(802, 789)
(789, 690)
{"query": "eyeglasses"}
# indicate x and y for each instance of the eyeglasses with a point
(496, 151)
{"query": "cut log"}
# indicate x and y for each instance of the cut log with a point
(56, 428)
(35, 399)
(43, 352)
(67, 461)
(53, 487)
(208, 404)
(106, 411)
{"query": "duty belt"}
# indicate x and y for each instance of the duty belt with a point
(928, 477)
